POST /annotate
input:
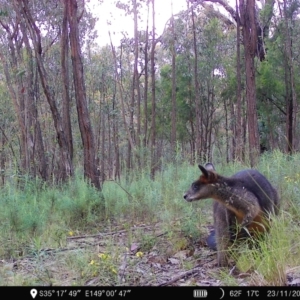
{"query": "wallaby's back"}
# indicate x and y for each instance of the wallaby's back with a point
(260, 186)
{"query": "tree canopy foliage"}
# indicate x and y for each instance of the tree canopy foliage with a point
(211, 86)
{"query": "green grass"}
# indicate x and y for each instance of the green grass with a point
(151, 213)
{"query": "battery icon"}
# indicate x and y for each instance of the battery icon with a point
(200, 293)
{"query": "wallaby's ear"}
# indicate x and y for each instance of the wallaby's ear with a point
(203, 170)
(209, 166)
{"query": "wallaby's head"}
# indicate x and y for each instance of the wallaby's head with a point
(202, 187)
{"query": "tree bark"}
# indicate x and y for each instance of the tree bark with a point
(146, 84)
(153, 104)
(198, 130)
(174, 104)
(238, 123)
(136, 93)
(87, 136)
(65, 82)
(120, 88)
(247, 18)
(291, 97)
(37, 158)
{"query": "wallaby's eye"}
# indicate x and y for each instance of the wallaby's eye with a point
(195, 186)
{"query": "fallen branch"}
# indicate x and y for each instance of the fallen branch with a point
(188, 273)
(185, 274)
(105, 234)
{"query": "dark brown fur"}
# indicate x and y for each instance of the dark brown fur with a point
(246, 199)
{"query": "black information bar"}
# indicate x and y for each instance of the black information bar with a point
(196, 292)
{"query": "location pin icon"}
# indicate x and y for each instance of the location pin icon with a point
(33, 293)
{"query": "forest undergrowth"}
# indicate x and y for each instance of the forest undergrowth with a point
(139, 231)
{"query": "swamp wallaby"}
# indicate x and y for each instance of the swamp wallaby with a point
(243, 202)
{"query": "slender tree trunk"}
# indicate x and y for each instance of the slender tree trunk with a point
(198, 130)
(103, 156)
(244, 122)
(146, 83)
(117, 171)
(232, 129)
(2, 154)
(109, 146)
(87, 136)
(291, 97)
(209, 120)
(37, 158)
(153, 120)
(120, 88)
(174, 104)
(192, 157)
(226, 131)
(136, 93)
(65, 82)
(238, 123)
(247, 13)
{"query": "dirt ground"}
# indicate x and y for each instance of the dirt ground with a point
(81, 262)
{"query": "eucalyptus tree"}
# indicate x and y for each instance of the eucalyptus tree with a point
(198, 111)
(38, 35)
(278, 85)
(138, 45)
(106, 111)
(288, 11)
(86, 130)
(154, 161)
(206, 54)
(21, 81)
(8, 132)
(254, 33)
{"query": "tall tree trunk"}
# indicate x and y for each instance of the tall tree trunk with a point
(87, 136)
(146, 81)
(238, 123)
(291, 97)
(65, 82)
(232, 129)
(174, 104)
(117, 171)
(247, 13)
(109, 146)
(121, 94)
(153, 120)
(244, 122)
(198, 130)
(35, 144)
(193, 156)
(136, 93)
(103, 156)
(2, 155)
(226, 132)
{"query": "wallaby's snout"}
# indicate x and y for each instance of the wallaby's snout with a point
(186, 197)
(192, 193)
